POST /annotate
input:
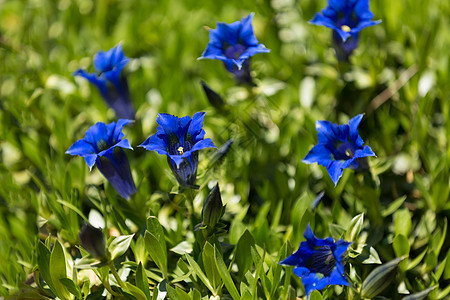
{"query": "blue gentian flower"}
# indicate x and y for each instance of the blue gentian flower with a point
(180, 139)
(339, 147)
(319, 262)
(234, 44)
(110, 81)
(102, 145)
(347, 18)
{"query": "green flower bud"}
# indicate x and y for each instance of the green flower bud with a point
(213, 207)
(93, 240)
(380, 278)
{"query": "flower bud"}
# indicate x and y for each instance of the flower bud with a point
(93, 240)
(380, 278)
(213, 98)
(213, 207)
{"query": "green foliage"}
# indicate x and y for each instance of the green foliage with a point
(395, 215)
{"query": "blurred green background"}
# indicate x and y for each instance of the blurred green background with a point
(398, 76)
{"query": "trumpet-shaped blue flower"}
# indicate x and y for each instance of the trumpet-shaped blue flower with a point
(180, 139)
(110, 82)
(102, 145)
(234, 44)
(319, 262)
(339, 147)
(347, 18)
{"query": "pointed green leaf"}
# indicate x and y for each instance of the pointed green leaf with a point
(209, 265)
(58, 270)
(315, 295)
(120, 245)
(71, 286)
(225, 274)
(142, 281)
(197, 270)
(354, 228)
(243, 255)
(155, 228)
(380, 278)
(420, 295)
(135, 291)
(43, 258)
(156, 252)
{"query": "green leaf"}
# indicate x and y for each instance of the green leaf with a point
(380, 278)
(120, 245)
(354, 228)
(402, 222)
(155, 228)
(195, 294)
(136, 291)
(43, 258)
(401, 245)
(156, 252)
(139, 250)
(315, 295)
(58, 270)
(197, 270)
(243, 255)
(420, 295)
(447, 267)
(336, 231)
(209, 264)
(177, 293)
(182, 248)
(369, 256)
(72, 287)
(142, 281)
(393, 206)
(416, 260)
(86, 288)
(225, 274)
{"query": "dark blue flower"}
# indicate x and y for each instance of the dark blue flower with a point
(109, 80)
(347, 18)
(102, 145)
(339, 147)
(234, 44)
(180, 139)
(319, 262)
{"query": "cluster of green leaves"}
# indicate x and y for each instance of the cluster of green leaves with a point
(396, 214)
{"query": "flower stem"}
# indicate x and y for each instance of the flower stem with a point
(110, 290)
(116, 275)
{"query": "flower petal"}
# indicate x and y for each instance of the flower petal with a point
(362, 10)
(353, 124)
(82, 148)
(246, 35)
(319, 154)
(335, 169)
(341, 248)
(338, 278)
(117, 134)
(229, 33)
(99, 82)
(364, 152)
(364, 24)
(206, 143)
(252, 51)
(155, 143)
(90, 160)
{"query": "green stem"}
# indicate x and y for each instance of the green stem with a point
(116, 275)
(110, 290)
